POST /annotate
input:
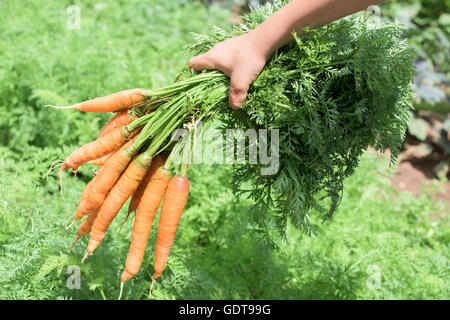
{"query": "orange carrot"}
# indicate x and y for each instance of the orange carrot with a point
(85, 194)
(101, 161)
(143, 221)
(105, 179)
(122, 190)
(98, 148)
(137, 195)
(85, 227)
(113, 102)
(173, 205)
(119, 119)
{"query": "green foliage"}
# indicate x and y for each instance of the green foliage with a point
(403, 237)
(330, 93)
(215, 256)
(120, 45)
(428, 28)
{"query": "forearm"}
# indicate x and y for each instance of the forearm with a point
(276, 31)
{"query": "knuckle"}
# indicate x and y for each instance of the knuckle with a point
(239, 87)
(236, 91)
(192, 61)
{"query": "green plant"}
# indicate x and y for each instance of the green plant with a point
(215, 255)
(428, 29)
(330, 93)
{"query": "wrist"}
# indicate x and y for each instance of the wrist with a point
(268, 37)
(261, 47)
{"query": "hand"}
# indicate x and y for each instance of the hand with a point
(240, 58)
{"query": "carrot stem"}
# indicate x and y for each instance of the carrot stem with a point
(174, 153)
(182, 85)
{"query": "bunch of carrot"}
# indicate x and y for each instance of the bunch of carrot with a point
(330, 93)
(131, 150)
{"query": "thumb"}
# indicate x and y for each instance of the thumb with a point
(201, 62)
(239, 83)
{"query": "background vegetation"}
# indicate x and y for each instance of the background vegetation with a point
(376, 234)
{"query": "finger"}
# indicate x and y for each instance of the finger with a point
(239, 83)
(201, 62)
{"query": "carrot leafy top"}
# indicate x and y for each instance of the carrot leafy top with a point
(330, 93)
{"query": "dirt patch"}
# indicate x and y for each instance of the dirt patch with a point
(412, 176)
(417, 168)
(425, 157)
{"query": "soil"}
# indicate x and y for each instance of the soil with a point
(414, 175)
(416, 169)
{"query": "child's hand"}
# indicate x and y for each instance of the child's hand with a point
(240, 58)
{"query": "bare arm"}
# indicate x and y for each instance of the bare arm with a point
(276, 31)
(242, 58)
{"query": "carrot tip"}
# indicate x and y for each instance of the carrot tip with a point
(151, 287)
(73, 243)
(121, 289)
(85, 256)
(60, 184)
(53, 166)
(65, 222)
(59, 107)
(70, 226)
(121, 226)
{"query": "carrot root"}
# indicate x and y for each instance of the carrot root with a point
(110, 142)
(70, 226)
(101, 161)
(143, 221)
(121, 289)
(151, 287)
(68, 219)
(59, 107)
(119, 194)
(53, 166)
(102, 183)
(172, 208)
(121, 226)
(119, 119)
(73, 243)
(60, 182)
(110, 103)
(85, 256)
